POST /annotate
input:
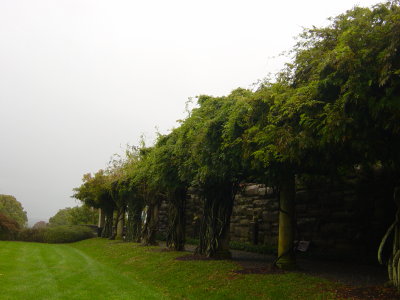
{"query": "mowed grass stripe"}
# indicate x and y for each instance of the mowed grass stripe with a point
(201, 279)
(103, 269)
(44, 271)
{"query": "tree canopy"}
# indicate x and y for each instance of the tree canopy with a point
(77, 215)
(335, 105)
(13, 209)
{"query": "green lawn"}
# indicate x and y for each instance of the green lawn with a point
(103, 269)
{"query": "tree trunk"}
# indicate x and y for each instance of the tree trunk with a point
(215, 227)
(121, 223)
(150, 227)
(286, 256)
(108, 225)
(176, 220)
(114, 225)
(134, 226)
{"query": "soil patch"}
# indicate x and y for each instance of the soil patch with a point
(162, 250)
(262, 270)
(193, 257)
(367, 293)
(348, 274)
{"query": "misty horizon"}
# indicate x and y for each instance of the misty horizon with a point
(81, 79)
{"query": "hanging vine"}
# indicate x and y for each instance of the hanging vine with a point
(215, 224)
(393, 263)
(150, 226)
(134, 223)
(108, 225)
(176, 219)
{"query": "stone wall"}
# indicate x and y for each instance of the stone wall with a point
(341, 219)
(163, 218)
(255, 215)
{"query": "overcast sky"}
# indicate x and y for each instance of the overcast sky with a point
(79, 79)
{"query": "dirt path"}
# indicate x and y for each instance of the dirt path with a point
(346, 273)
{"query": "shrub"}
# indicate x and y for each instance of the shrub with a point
(68, 234)
(192, 241)
(9, 228)
(57, 234)
(32, 235)
(40, 224)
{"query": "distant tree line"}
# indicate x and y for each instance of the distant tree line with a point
(77, 215)
(334, 107)
(13, 223)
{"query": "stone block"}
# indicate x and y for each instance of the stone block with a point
(301, 208)
(269, 191)
(244, 221)
(239, 200)
(273, 204)
(265, 227)
(235, 219)
(241, 232)
(341, 216)
(262, 191)
(314, 212)
(246, 212)
(259, 203)
(305, 221)
(270, 240)
(302, 196)
(270, 216)
(332, 229)
(257, 212)
(255, 190)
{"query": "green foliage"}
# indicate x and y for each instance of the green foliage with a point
(96, 191)
(32, 235)
(56, 234)
(351, 68)
(214, 138)
(77, 215)
(68, 234)
(216, 158)
(336, 105)
(9, 228)
(12, 208)
(62, 217)
(40, 224)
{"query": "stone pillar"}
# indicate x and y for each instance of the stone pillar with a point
(102, 219)
(286, 258)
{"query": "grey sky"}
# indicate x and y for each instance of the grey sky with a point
(81, 78)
